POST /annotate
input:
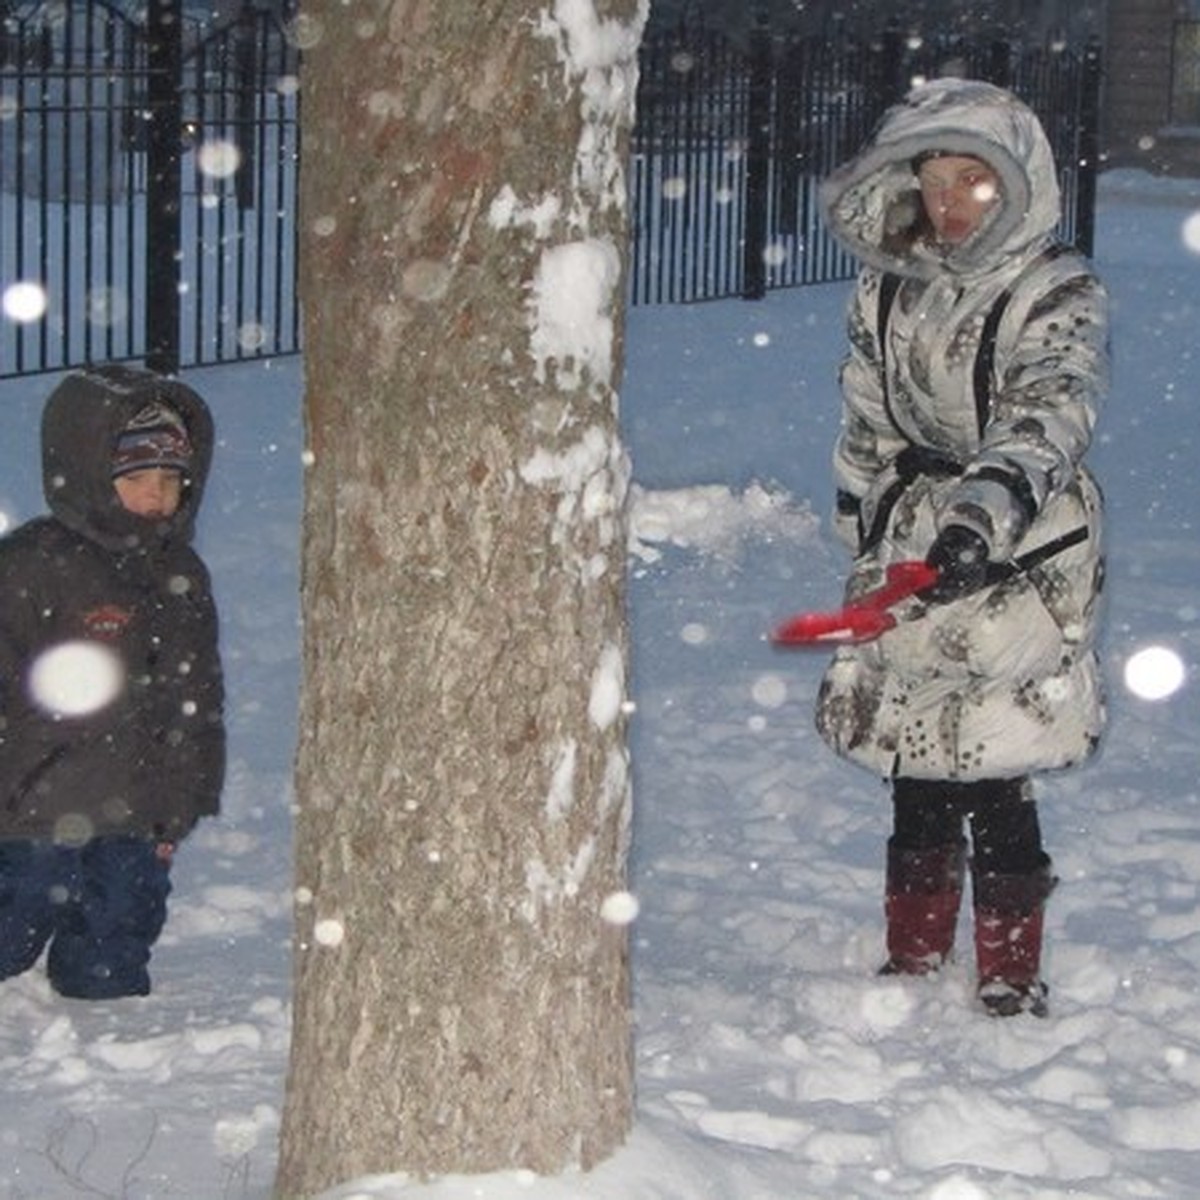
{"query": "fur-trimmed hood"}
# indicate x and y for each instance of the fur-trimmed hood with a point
(871, 201)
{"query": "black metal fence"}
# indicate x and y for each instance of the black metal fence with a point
(147, 188)
(148, 182)
(731, 145)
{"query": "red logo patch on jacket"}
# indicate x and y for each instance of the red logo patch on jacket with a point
(107, 623)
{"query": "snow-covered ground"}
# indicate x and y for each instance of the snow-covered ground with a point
(772, 1063)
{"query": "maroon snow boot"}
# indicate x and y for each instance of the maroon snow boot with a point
(1008, 940)
(924, 890)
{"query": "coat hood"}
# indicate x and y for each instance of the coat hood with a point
(80, 424)
(872, 201)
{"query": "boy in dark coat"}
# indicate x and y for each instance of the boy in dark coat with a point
(112, 742)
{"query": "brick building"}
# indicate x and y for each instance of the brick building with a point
(1152, 85)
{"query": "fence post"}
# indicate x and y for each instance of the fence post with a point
(999, 68)
(164, 66)
(758, 162)
(895, 82)
(1088, 165)
(787, 150)
(248, 81)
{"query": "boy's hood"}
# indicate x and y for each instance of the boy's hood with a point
(80, 423)
(876, 192)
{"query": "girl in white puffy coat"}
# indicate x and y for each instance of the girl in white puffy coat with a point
(978, 355)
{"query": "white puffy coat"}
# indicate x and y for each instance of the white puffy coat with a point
(1005, 681)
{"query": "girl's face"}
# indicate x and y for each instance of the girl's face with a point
(957, 192)
(154, 492)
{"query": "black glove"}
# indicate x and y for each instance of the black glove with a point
(961, 558)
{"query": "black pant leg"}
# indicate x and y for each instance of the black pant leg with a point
(926, 813)
(1005, 830)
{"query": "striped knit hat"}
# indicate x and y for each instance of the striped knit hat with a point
(156, 437)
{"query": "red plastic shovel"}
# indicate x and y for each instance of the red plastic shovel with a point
(864, 619)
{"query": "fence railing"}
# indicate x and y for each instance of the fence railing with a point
(148, 187)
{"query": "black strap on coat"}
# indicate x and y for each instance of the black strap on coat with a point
(985, 355)
(913, 460)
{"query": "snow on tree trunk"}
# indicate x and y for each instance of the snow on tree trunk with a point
(461, 976)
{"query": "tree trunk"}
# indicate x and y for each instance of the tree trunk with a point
(461, 1002)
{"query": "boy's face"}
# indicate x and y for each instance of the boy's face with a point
(153, 492)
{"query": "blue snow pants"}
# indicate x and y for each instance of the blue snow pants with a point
(99, 906)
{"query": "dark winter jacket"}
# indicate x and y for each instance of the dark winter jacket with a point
(131, 591)
(971, 403)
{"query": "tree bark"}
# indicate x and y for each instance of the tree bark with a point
(461, 1002)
